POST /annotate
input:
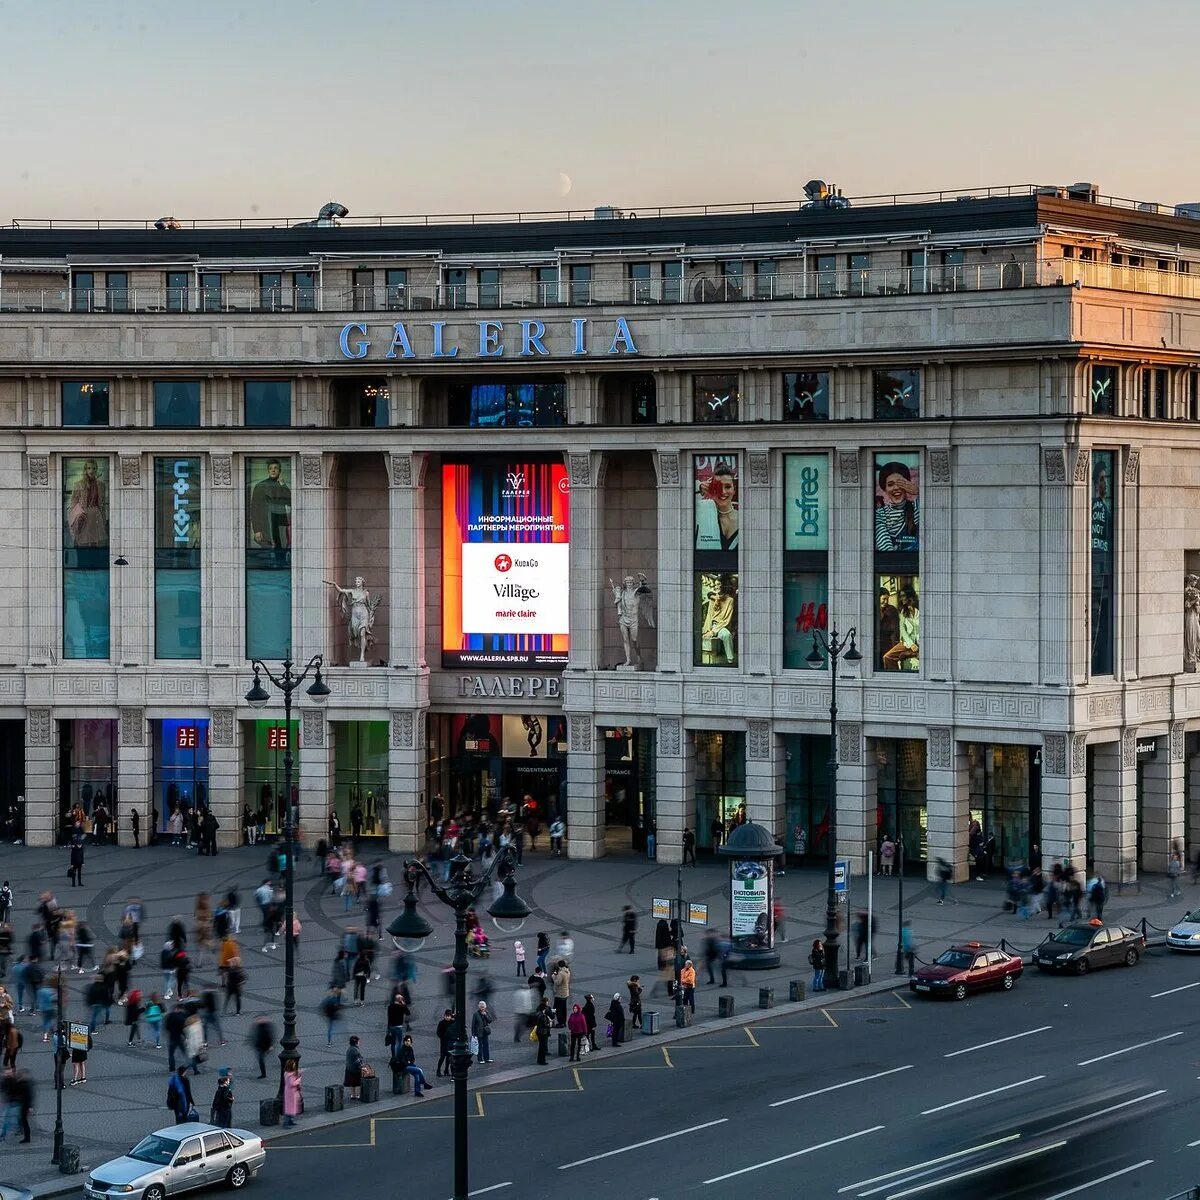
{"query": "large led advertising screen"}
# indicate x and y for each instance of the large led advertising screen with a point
(506, 527)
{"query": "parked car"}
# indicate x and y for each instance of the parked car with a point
(970, 967)
(178, 1159)
(1185, 934)
(10, 1191)
(1083, 945)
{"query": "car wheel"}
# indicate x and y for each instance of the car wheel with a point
(1081, 966)
(1131, 957)
(155, 1192)
(960, 991)
(1009, 980)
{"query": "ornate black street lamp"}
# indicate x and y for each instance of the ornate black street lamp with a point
(834, 648)
(258, 697)
(460, 893)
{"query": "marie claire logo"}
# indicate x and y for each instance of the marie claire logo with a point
(503, 563)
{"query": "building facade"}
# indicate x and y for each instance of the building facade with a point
(965, 427)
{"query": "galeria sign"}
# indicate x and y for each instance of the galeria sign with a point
(489, 339)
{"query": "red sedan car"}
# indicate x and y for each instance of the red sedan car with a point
(967, 968)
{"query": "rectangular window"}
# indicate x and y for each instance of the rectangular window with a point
(117, 286)
(806, 396)
(952, 270)
(716, 399)
(83, 291)
(268, 557)
(268, 403)
(672, 273)
(716, 619)
(511, 404)
(177, 495)
(547, 285)
(177, 404)
(456, 288)
(1154, 392)
(1193, 396)
(180, 767)
(805, 611)
(489, 288)
(898, 624)
(1104, 559)
(1162, 396)
(897, 394)
(211, 298)
(640, 275)
(360, 775)
(178, 286)
(85, 558)
(918, 276)
(766, 272)
(88, 776)
(644, 402)
(805, 556)
(84, 403)
(715, 563)
(732, 278)
(860, 274)
(897, 502)
(581, 283)
(304, 291)
(1104, 390)
(827, 275)
(270, 291)
(364, 290)
(396, 281)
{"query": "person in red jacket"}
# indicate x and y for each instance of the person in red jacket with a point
(577, 1027)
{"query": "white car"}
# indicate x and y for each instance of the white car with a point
(1185, 934)
(178, 1159)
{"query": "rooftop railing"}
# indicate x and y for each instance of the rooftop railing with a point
(648, 211)
(236, 297)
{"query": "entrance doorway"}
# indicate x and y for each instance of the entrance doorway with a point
(629, 788)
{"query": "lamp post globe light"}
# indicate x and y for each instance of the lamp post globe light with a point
(830, 646)
(409, 930)
(288, 681)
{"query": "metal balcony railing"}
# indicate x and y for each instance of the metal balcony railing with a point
(698, 288)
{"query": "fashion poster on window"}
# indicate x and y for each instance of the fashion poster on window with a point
(897, 502)
(898, 623)
(716, 502)
(716, 618)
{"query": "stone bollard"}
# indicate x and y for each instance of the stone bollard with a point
(369, 1092)
(268, 1111)
(766, 997)
(401, 1083)
(68, 1163)
(564, 1045)
(335, 1097)
(796, 990)
(724, 1006)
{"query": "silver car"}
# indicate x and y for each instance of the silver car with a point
(1185, 934)
(177, 1159)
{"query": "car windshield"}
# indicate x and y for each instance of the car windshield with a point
(155, 1149)
(954, 958)
(1073, 936)
(1193, 916)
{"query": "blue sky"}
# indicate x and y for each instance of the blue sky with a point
(271, 107)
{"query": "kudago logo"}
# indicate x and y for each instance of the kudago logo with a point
(503, 563)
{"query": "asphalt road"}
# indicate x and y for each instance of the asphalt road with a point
(1087, 1086)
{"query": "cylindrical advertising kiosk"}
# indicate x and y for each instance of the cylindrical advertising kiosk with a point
(752, 853)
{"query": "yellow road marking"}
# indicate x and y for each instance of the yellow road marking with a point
(832, 1022)
(750, 1034)
(578, 1081)
(479, 1104)
(902, 1000)
(666, 1056)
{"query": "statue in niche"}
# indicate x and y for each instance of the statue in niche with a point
(632, 599)
(1191, 622)
(358, 608)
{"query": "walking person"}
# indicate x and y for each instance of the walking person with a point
(135, 824)
(179, 1094)
(220, 1112)
(445, 1031)
(687, 981)
(816, 959)
(154, 1019)
(543, 950)
(908, 946)
(362, 974)
(1098, 895)
(1174, 871)
(261, 1040)
(616, 1020)
(945, 875)
(481, 1024)
(331, 1010)
(628, 928)
(235, 983)
(133, 1014)
(689, 847)
(577, 1027)
(76, 870)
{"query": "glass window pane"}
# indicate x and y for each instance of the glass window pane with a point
(83, 290)
(897, 394)
(268, 403)
(210, 291)
(85, 512)
(85, 403)
(805, 610)
(268, 612)
(806, 396)
(177, 291)
(898, 624)
(547, 284)
(86, 613)
(1103, 541)
(716, 398)
(117, 283)
(177, 404)
(396, 279)
(177, 614)
(716, 618)
(305, 289)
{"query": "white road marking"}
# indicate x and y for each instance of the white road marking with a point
(836, 1086)
(1087, 1062)
(1004, 1162)
(1103, 1179)
(1000, 1041)
(795, 1154)
(666, 1137)
(1008, 1087)
(1172, 991)
(933, 1162)
(494, 1188)
(1110, 1108)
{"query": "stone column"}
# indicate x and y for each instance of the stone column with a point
(857, 796)
(675, 780)
(759, 594)
(850, 560)
(404, 399)
(226, 791)
(674, 562)
(131, 595)
(314, 761)
(589, 588)
(583, 398)
(41, 778)
(765, 777)
(406, 559)
(585, 788)
(224, 558)
(1056, 612)
(406, 781)
(1163, 803)
(135, 776)
(668, 390)
(1114, 808)
(1063, 833)
(311, 603)
(937, 582)
(946, 803)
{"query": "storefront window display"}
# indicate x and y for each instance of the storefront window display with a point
(88, 771)
(177, 495)
(900, 782)
(717, 529)
(720, 785)
(360, 787)
(180, 771)
(86, 558)
(1005, 799)
(898, 624)
(268, 557)
(716, 619)
(806, 794)
(805, 612)
(897, 503)
(264, 796)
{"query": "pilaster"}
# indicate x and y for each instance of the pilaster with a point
(674, 560)
(765, 777)
(406, 781)
(1163, 802)
(1057, 522)
(135, 783)
(1063, 834)
(226, 789)
(937, 582)
(43, 534)
(675, 780)
(585, 788)
(132, 586)
(585, 473)
(311, 599)
(224, 558)
(857, 796)
(41, 778)
(946, 803)
(406, 559)
(1114, 808)
(850, 553)
(761, 563)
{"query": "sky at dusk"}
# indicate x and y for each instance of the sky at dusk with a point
(268, 108)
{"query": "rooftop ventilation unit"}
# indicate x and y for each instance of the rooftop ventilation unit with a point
(328, 217)
(1149, 207)
(1090, 192)
(167, 223)
(823, 195)
(1191, 211)
(608, 212)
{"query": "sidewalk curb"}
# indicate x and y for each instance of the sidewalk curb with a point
(69, 1184)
